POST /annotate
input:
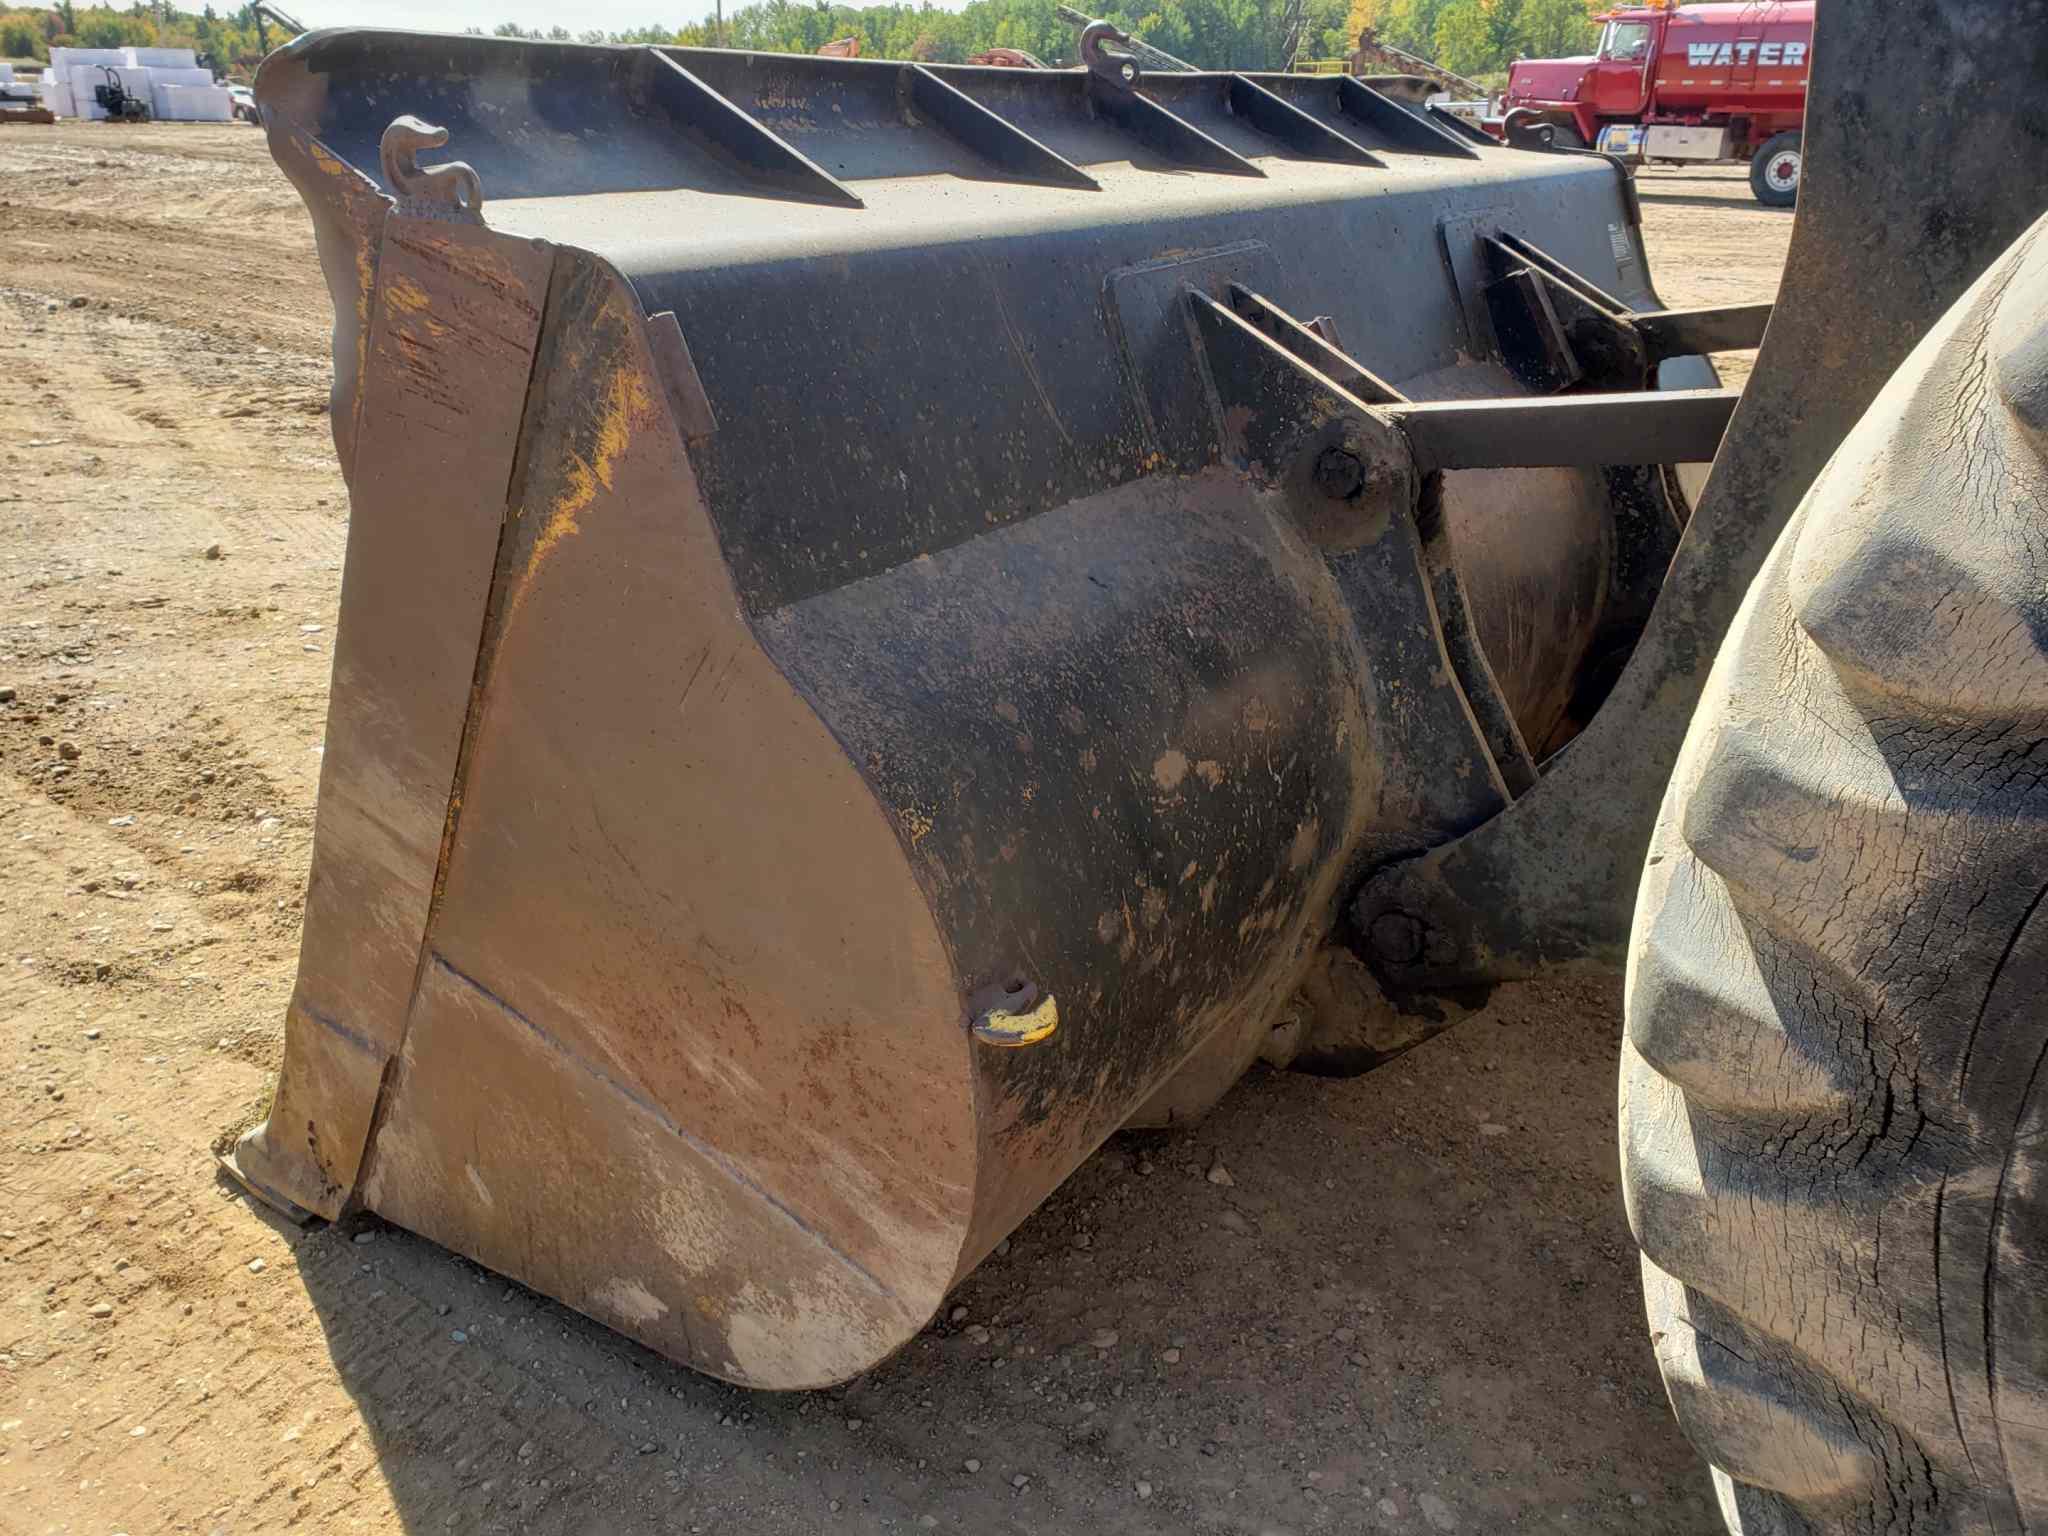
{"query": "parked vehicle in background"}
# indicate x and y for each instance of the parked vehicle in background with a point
(116, 101)
(1680, 83)
(244, 102)
(1374, 60)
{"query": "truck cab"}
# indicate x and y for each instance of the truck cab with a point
(1618, 82)
(1580, 93)
(1709, 82)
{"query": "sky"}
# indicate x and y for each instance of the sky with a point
(454, 15)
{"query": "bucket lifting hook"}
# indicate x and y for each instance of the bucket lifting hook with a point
(449, 191)
(1120, 70)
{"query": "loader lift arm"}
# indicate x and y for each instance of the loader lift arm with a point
(1552, 880)
(291, 26)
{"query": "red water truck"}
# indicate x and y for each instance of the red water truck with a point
(1680, 83)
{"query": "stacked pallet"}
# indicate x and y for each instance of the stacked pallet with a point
(21, 101)
(15, 94)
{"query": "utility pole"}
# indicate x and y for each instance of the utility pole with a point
(718, 26)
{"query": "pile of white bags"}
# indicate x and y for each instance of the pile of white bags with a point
(169, 79)
(176, 103)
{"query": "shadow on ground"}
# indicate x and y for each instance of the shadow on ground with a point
(1413, 1307)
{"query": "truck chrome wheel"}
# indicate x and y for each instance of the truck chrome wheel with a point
(1774, 172)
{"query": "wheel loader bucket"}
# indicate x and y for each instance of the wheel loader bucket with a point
(888, 606)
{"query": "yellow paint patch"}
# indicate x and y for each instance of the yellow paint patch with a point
(999, 1026)
(402, 293)
(366, 282)
(325, 160)
(623, 407)
(366, 285)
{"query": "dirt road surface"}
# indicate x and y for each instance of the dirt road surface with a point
(1415, 1308)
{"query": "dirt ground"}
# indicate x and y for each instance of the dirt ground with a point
(1416, 1309)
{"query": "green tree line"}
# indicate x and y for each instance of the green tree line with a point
(1473, 37)
(227, 41)
(1480, 37)
(1212, 34)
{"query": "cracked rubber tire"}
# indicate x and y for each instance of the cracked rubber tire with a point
(1834, 1121)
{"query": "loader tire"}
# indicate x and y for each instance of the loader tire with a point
(1834, 1119)
(1774, 170)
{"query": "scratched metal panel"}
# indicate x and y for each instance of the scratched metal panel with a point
(602, 1198)
(434, 413)
(1124, 734)
(445, 386)
(679, 901)
(1149, 319)
(432, 429)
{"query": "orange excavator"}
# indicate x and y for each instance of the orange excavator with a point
(1007, 58)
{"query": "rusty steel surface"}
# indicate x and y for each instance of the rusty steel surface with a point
(1681, 426)
(888, 608)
